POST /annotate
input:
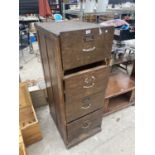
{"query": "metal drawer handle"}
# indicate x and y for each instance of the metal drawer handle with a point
(88, 49)
(90, 82)
(86, 107)
(90, 86)
(86, 124)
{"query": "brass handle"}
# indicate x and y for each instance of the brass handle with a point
(86, 124)
(90, 86)
(88, 49)
(86, 103)
(86, 107)
(89, 82)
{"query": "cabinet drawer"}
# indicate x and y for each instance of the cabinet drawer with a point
(84, 47)
(85, 83)
(80, 107)
(85, 126)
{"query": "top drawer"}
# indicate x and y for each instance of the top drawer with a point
(84, 47)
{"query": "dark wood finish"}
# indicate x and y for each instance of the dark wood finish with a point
(119, 92)
(119, 83)
(117, 103)
(80, 129)
(89, 82)
(50, 53)
(53, 51)
(123, 106)
(56, 28)
(75, 95)
(82, 106)
(46, 70)
(106, 103)
(85, 46)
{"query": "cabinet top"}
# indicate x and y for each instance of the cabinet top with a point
(65, 26)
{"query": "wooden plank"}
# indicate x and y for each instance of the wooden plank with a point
(46, 70)
(22, 149)
(119, 83)
(118, 109)
(28, 121)
(24, 96)
(39, 98)
(56, 73)
(31, 133)
(117, 103)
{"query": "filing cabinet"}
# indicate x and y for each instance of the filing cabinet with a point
(75, 58)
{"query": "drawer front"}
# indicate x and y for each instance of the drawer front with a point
(80, 107)
(83, 127)
(86, 82)
(85, 46)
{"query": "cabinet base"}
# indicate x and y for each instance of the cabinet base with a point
(76, 141)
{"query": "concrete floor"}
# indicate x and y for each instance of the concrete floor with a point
(32, 68)
(116, 137)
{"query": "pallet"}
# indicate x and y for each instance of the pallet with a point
(28, 121)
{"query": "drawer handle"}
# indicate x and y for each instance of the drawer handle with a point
(90, 82)
(88, 49)
(86, 107)
(90, 86)
(86, 124)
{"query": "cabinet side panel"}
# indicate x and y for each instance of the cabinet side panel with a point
(55, 66)
(47, 77)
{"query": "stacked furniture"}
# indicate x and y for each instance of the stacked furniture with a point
(75, 57)
(28, 121)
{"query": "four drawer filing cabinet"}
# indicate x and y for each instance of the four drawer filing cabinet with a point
(75, 58)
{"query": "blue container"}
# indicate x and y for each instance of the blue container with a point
(32, 39)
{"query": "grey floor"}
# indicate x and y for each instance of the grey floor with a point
(32, 68)
(116, 137)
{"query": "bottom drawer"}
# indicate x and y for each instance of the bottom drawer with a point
(84, 127)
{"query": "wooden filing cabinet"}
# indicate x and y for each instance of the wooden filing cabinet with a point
(75, 62)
